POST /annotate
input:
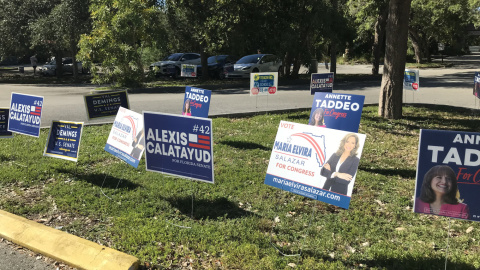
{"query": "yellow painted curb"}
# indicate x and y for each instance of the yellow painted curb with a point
(62, 246)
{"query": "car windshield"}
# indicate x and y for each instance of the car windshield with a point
(173, 57)
(250, 59)
(216, 59)
(53, 62)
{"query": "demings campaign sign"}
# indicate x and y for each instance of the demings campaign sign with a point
(196, 102)
(411, 79)
(127, 137)
(64, 140)
(448, 174)
(25, 114)
(4, 133)
(105, 104)
(337, 111)
(179, 146)
(321, 82)
(265, 83)
(318, 163)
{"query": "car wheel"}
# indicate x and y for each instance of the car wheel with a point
(221, 75)
(176, 75)
(255, 70)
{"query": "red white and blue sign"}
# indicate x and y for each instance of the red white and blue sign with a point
(196, 102)
(179, 146)
(64, 140)
(25, 114)
(127, 137)
(318, 163)
(321, 82)
(105, 104)
(448, 174)
(476, 85)
(337, 111)
(4, 133)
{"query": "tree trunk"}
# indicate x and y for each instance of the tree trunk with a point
(417, 45)
(390, 102)
(204, 59)
(379, 39)
(287, 63)
(59, 64)
(333, 58)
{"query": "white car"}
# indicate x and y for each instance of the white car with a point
(171, 65)
(50, 68)
(253, 64)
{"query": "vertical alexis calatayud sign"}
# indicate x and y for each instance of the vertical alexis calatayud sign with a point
(318, 163)
(179, 146)
(64, 140)
(448, 174)
(262, 84)
(25, 114)
(127, 137)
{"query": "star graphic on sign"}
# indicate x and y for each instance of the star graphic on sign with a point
(289, 139)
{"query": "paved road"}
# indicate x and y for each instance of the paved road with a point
(451, 86)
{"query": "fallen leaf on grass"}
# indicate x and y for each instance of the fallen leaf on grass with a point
(400, 229)
(292, 265)
(470, 229)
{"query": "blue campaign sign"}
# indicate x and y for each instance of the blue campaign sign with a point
(476, 86)
(321, 82)
(4, 133)
(306, 160)
(448, 174)
(196, 102)
(25, 114)
(337, 111)
(64, 140)
(179, 146)
(105, 104)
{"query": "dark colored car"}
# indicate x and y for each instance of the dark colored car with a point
(216, 65)
(172, 64)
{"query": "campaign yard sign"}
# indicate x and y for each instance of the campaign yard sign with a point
(127, 137)
(25, 114)
(64, 140)
(310, 161)
(189, 71)
(4, 133)
(411, 79)
(265, 83)
(105, 104)
(196, 102)
(321, 82)
(476, 85)
(448, 174)
(337, 111)
(179, 146)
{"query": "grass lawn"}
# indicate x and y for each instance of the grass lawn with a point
(233, 218)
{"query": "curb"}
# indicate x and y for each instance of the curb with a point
(70, 249)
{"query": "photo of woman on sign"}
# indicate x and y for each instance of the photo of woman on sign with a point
(439, 194)
(342, 165)
(186, 108)
(317, 118)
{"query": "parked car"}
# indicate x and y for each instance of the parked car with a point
(171, 65)
(216, 65)
(252, 64)
(50, 68)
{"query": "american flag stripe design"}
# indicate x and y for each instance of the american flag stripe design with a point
(320, 154)
(199, 141)
(35, 110)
